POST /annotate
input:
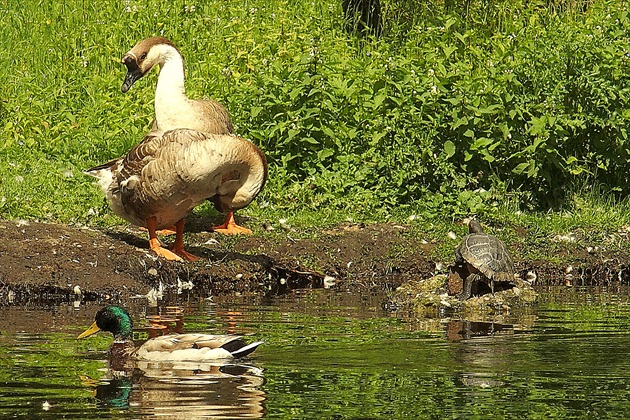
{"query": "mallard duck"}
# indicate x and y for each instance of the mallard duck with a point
(173, 109)
(167, 348)
(163, 178)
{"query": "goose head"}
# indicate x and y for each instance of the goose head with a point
(145, 55)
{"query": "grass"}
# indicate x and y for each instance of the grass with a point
(360, 130)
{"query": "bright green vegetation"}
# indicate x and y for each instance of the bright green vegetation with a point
(491, 109)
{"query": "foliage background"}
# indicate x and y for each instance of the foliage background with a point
(456, 109)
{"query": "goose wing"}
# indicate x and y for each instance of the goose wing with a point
(168, 174)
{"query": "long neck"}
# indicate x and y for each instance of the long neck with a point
(256, 177)
(170, 91)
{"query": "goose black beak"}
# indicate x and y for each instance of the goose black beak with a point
(133, 72)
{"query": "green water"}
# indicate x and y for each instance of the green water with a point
(334, 355)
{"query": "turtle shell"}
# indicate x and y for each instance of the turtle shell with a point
(488, 254)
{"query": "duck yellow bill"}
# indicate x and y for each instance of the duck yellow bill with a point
(92, 330)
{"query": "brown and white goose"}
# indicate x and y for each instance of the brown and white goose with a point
(163, 178)
(173, 109)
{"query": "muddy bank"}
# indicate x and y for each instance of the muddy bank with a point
(48, 261)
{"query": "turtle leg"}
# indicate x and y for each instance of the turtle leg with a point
(492, 286)
(467, 287)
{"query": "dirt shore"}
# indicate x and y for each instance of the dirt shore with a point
(42, 261)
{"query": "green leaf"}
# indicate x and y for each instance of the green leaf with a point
(378, 100)
(324, 153)
(448, 50)
(520, 168)
(449, 149)
(481, 143)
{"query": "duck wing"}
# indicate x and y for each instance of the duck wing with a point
(194, 347)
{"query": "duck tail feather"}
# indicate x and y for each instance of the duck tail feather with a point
(243, 350)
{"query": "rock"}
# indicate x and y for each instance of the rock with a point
(439, 293)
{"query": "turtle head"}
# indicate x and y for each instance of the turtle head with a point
(474, 226)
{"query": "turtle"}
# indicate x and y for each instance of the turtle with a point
(484, 257)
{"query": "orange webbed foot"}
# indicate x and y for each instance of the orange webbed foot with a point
(229, 227)
(163, 252)
(164, 232)
(184, 255)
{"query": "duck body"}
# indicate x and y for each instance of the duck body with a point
(191, 347)
(168, 348)
(163, 178)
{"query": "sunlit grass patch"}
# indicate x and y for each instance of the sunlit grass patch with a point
(506, 111)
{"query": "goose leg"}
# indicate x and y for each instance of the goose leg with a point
(155, 245)
(178, 246)
(167, 231)
(229, 227)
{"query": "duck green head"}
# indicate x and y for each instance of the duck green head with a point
(114, 319)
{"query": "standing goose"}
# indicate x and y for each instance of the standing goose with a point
(173, 109)
(163, 178)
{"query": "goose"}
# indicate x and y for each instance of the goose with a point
(168, 348)
(173, 109)
(158, 183)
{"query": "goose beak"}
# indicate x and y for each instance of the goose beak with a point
(133, 72)
(92, 330)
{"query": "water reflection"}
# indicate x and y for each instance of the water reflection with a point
(184, 390)
(457, 330)
(334, 355)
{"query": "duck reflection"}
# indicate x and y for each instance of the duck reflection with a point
(457, 330)
(184, 390)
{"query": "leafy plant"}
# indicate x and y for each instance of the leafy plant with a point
(452, 111)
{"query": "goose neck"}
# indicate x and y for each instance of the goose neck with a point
(170, 84)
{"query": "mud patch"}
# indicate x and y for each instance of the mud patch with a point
(48, 261)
